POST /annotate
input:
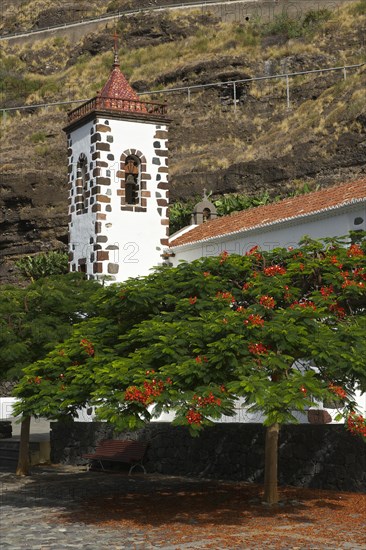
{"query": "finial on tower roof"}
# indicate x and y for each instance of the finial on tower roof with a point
(116, 60)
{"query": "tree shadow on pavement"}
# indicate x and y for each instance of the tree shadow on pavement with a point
(206, 513)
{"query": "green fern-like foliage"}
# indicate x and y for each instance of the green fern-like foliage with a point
(43, 265)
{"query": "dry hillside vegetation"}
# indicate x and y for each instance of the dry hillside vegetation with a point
(259, 145)
(26, 15)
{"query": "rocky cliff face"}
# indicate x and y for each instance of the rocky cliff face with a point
(33, 217)
(255, 145)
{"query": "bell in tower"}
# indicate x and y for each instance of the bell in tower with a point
(204, 211)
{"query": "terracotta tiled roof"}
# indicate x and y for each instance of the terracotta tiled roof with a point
(117, 96)
(117, 86)
(271, 214)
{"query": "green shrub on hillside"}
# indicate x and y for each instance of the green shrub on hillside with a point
(359, 8)
(43, 265)
(290, 27)
(180, 212)
(38, 137)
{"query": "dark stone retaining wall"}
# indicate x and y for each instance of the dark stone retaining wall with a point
(6, 429)
(325, 457)
(6, 388)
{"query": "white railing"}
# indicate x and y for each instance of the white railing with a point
(234, 83)
(118, 14)
(196, 87)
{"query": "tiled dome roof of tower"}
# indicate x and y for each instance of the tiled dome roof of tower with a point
(117, 86)
(117, 96)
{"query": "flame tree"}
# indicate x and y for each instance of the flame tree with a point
(277, 329)
(33, 320)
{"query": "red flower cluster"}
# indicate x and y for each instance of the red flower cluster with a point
(192, 300)
(147, 394)
(209, 400)
(254, 252)
(326, 290)
(256, 320)
(334, 260)
(351, 282)
(258, 348)
(274, 270)
(223, 256)
(267, 302)
(133, 393)
(153, 388)
(357, 273)
(360, 272)
(246, 286)
(340, 311)
(225, 296)
(356, 424)
(338, 390)
(355, 250)
(199, 359)
(287, 293)
(304, 391)
(304, 304)
(35, 380)
(206, 273)
(88, 347)
(194, 417)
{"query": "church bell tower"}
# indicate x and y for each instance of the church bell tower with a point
(118, 181)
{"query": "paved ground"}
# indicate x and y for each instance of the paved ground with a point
(32, 509)
(61, 507)
(64, 507)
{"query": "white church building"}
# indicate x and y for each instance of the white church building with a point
(333, 211)
(118, 201)
(118, 196)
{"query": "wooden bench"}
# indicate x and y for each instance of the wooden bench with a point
(118, 450)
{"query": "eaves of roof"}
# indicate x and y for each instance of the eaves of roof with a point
(211, 234)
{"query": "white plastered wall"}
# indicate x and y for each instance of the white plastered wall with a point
(81, 227)
(335, 223)
(133, 239)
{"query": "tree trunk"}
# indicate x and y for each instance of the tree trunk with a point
(23, 468)
(270, 464)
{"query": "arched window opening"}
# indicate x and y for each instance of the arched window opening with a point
(206, 213)
(132, 180)
(82, 182)
(133, 192)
